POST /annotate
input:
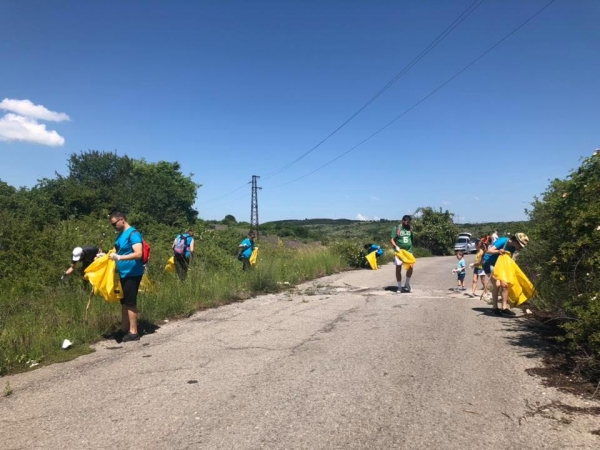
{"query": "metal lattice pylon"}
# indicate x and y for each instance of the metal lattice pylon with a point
(254, 205)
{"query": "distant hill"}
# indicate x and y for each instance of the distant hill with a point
(295, 222)
(477, 228)
(323, 229)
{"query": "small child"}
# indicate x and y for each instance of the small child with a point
(478, 272)
(460, 271)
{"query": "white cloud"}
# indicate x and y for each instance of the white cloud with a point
(445, 202)
(359, 216)
(376, 219)
(476, 198)
(18, 128)
(372, 197)
(28, 109)
(21, 123)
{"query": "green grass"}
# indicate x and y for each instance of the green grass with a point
(33, 327)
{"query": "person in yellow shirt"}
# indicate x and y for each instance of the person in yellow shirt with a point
(478, 272)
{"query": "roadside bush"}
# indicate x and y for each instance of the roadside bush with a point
(351, 252)
(563, 258)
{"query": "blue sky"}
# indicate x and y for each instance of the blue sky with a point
(232, 89)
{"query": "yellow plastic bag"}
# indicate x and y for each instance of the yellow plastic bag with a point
(406, 257)
(147, 285)
(170, 267)
(104, 278)
(253, 256)
(372, 258)
(520, 289)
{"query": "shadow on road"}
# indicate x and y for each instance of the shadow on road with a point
(144, 327)
(391, 288)
(535, 339)
(490, 312)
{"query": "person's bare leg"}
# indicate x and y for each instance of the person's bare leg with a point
(495, 289)
(399, 276)
(132, 313)
(409, 273)
(474, 287)
(504, 296)
(484, 282)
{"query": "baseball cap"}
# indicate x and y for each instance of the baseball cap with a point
(77, 252)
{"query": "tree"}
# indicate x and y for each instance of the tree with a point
(434, 230)
(102, 182)
(229, 220)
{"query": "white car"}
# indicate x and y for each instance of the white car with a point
(465, 244)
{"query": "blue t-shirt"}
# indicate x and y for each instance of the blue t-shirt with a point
(376, 248)
(124, 246)
(188, 242)
(500, 244)
(460, 267)
(249, 246)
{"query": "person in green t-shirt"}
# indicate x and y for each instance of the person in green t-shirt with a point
(402, 238)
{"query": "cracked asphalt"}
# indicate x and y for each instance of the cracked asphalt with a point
(337, 363)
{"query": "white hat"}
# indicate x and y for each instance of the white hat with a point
(77, 252)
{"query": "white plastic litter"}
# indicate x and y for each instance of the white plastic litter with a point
(66, 344)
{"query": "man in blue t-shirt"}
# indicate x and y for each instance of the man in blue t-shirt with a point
(245, 250)
(128, 256)
(501, 246)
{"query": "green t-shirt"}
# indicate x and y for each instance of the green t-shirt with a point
(403, 238)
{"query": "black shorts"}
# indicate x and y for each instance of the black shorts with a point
(130, 286)
(488, 268)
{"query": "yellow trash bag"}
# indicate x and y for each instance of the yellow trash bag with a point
(372, 258)
(170, 267)
(104, 278)
(253, 256)
(147, 285)
(520, 289)
(406, 257)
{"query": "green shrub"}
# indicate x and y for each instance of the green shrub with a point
(434, 231)
(351, 252)
(563, 258)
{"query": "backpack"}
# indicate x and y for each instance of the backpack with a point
(180, 246)
(145, 249)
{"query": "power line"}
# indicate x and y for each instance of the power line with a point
(466, 13)
(227, 194)
(422, 99)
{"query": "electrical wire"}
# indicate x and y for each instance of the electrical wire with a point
(227, 194)
(466, 13)
(421, 100)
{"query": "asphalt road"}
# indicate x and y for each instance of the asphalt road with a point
(338, 363)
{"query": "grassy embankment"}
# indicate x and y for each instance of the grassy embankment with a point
(33, 327)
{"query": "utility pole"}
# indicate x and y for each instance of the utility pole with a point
(254, 206)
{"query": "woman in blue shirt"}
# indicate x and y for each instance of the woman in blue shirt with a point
(501, 246)
(128, 256)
